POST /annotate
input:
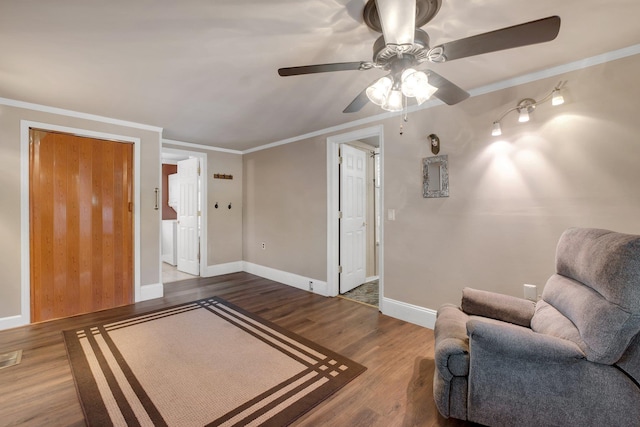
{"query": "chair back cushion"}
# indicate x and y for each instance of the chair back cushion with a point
(597, 287)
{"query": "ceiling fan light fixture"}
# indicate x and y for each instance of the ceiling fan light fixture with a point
(394, 101)
(379, 91)
(403, 45)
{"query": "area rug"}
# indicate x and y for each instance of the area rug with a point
(207, 362)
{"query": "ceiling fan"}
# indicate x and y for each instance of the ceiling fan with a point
(403, 46)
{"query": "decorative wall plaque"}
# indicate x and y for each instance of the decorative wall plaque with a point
(435, 176)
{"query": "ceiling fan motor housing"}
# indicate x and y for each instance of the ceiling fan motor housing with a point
(384, 55)
(425, 11)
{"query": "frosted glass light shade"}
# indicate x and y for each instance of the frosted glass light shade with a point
(524, 115)
(425, 92)
(394, 101)
(379, 91)
(414, 82)
(410, 82)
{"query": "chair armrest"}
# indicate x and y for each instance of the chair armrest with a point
(521, 343)
(507, 308)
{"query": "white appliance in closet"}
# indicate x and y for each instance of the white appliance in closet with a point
(170, 226)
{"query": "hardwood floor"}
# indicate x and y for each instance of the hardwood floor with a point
(396, 389)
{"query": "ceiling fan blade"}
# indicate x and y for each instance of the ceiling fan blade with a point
(447, 92)
(398, 19)
(358, 102)
(539, 31)
(322, 68)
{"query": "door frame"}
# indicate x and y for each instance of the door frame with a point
(202, 185)
(333, 203)
(25, 178)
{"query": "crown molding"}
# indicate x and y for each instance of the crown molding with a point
(77, 114)
(198, 146)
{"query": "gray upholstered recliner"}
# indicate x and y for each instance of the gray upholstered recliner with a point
(571, 359)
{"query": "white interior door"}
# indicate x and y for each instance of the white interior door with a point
(188, 246)
(353, 236)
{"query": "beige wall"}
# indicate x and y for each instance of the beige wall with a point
(285, 206)
(10, 193)
(510, 197)
(224, 226)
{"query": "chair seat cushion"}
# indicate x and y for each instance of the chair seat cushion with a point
(547, 320)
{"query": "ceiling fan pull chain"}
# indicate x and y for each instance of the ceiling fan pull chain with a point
(405, 113)
(403, 117)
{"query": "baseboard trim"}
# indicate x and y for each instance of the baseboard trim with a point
(409, 313)
(220, 269)
(168, 258)
(12, 322)
(147, 292)
(291, 279)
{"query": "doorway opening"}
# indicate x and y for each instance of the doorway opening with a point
(184, 221)
(354, 226)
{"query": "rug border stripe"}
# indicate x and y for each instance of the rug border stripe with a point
(285, 338)
(116, 390)
(280, 329)
(286, 350)
(151, 410)
(82, 376)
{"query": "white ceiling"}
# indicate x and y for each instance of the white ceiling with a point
(206, 71)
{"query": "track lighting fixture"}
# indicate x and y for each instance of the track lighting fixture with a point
(526, 106)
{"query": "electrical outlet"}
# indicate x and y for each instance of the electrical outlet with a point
(263, 245)
(310, 285)
(531, 292)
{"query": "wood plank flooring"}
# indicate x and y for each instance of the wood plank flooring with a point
(396, 389)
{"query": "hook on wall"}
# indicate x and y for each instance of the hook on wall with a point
(229, 205)
(216, 205)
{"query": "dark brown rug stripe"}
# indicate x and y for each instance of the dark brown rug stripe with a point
(265, 331)
(112, 389)
(148, 405)
(85, 384)
(122, 402)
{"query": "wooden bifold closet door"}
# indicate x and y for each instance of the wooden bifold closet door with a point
(81, 224)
